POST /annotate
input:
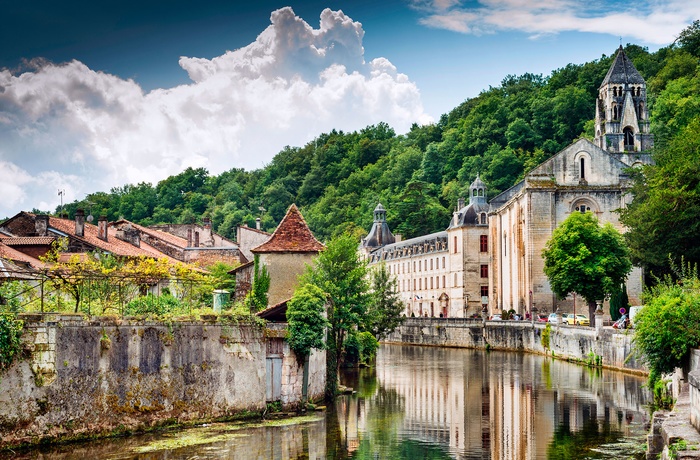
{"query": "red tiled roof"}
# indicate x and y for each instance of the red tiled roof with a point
(165, 236)
(292, 235)
(28, 240)
(12, 254)
(113, 244)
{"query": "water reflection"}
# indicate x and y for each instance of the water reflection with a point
(469, 404)
(427, 403)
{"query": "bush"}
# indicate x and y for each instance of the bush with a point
(666, 329)
(151, 305)
(360, 348)
(10, 343)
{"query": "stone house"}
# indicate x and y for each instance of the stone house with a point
(490, 255)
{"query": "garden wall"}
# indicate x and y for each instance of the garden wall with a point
(612, 347)
(84, 378)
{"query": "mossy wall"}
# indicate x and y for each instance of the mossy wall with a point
(82, 378)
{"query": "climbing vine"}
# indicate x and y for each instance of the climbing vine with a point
(10, 343)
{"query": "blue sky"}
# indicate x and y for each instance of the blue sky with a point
(97, 95)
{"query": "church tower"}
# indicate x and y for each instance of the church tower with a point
(622, 115)
(379, 235)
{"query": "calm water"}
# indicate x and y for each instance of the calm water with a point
(428, 403)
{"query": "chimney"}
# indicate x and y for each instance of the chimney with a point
(460, 203)
(257, 223)
(189, 237)
(102, 228)
(41, 224)
(129, 234)
(207, 223)
(80, 223)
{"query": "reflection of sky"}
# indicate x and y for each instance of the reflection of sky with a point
(506, 405)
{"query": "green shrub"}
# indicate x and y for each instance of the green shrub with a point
(10, 343)
(546, 336)
(151, 305)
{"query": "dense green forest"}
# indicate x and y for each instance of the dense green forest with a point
(338, 178)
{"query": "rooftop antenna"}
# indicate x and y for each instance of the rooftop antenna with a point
(61, 193)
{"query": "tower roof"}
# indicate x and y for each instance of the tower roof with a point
(292, 235)
(622, 71)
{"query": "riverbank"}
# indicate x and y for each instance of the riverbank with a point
(603, 347)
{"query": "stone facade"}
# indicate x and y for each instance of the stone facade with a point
(284, 270)
(92, 377)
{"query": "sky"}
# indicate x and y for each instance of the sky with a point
(95, 95)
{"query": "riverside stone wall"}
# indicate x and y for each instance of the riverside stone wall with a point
(612, 347)
(90, 377)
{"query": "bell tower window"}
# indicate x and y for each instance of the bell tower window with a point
(629, 139)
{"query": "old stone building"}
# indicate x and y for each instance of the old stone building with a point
(585, 176)
(491, 253)
(444, 273)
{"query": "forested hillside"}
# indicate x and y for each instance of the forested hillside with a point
(338, 178)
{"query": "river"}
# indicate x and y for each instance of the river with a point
(426, 403)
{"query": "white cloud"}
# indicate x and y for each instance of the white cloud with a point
(66, 126)
(651, 22)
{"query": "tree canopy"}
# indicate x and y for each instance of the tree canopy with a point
(586, 258)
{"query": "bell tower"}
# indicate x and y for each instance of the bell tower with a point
(622, 115)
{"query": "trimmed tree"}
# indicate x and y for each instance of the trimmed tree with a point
(586, 258)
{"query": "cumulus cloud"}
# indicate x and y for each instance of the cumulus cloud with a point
(647, 21)
(66, 126)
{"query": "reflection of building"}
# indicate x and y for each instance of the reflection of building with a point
(495, 405)
(494, 251)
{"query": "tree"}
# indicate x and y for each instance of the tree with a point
(257, 297)
(585, 258)
(306, 319)
(342, 275)
(385, 306)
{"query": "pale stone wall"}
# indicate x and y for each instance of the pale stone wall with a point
(566, 342)
(86, 377)
(284, 269)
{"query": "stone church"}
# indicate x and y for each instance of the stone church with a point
(491, 253)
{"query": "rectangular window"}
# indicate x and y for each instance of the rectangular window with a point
(455, 285)
(431, 282)
(431, 264)
(443, 282)
(484, 271)
(420, 284)
(484, 243)
(455, 245)
(443, 262)
(484, 291)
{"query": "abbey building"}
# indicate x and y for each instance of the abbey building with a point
(491, 252)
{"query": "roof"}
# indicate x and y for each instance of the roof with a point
(11, 254)
(113, 244)
(292, 235)
(622, 70)
(28, 240)
(275, 313)
(160, 234)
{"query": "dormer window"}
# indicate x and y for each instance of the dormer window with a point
(483, 218)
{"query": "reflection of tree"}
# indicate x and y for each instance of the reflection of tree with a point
(566, 445)
(402, 449)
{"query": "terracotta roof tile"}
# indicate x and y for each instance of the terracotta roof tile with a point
(292, 235)
(28, 240)
(165, 236)
(113, 244)
(6, 252)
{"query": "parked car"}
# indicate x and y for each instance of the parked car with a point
(565, 318)
(541, 318)
(552, 318)
(496, 317)
(579, 320)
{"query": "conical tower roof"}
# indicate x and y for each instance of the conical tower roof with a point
(622, 71)
(292, 235)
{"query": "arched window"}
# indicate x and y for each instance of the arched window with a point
(639, 91)
(615, 114)
(583, 168)
(614, 91)
(629, 138)
(455, 240)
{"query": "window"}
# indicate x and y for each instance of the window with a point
(431, 264)
(484, 291)
(484, 271)
(483, 218)
(455, 285)
(629, 138)
(420, 284)
(431, 282)
(582, 208)
(443, 263)
(484, 243)
(443, 282)
(455, 245)
(414, 285)
(583, 168)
